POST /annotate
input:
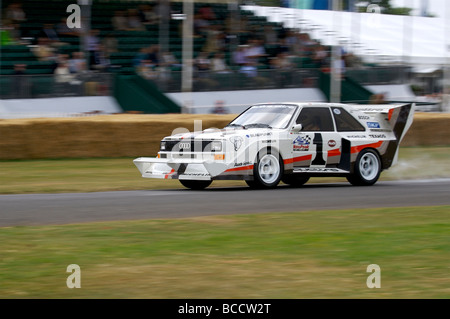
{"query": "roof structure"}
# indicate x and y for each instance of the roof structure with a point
(419, 41)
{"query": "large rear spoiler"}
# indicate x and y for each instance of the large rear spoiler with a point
(399, 116)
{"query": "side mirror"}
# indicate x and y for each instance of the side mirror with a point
(296, 128)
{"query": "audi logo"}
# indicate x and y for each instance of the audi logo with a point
(184, 145)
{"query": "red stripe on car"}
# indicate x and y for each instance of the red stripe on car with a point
(298, 159)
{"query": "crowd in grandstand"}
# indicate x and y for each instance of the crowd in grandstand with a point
(231, 44)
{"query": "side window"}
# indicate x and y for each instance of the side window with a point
(314, 119)
(345, 122)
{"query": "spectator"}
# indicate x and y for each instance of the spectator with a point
(102, 61)
(147, 70)
(169, 60)
(134, 21)
(110, 44)
(63, 30)
(140, 56)
(239, 56)
(249, 69)
(377, 98)
(206, 13)
(202, 63)
(283, 65)
(92, 45)
(219, 108)
(319, 55)
(63, 75)
(201, 26)
(218, 63)
(153, 54)
(148, 15)
(77, 63)
(119, 21)
(49, 32)
(255, 52)
(14, 13)
(214, 40)
(10, 34)
(270, 35)
(5, 36)
(162, 10)
(43, 51)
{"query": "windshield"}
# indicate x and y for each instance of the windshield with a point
(270, 116)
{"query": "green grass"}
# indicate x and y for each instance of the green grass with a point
(321, 254)
(111, 174)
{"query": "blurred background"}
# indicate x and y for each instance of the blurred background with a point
(116, 56)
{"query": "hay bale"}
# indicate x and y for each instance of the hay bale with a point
(132, 135)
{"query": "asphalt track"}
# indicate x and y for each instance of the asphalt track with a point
(48, 209)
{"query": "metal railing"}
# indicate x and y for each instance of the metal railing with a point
(232, 80)
(380, 75)
(50, 85)
(170, 81)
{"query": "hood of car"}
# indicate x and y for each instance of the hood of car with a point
(222, 134)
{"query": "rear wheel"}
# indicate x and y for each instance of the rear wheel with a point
(367, 169)
(198, 185)
(295, 180)
(267, 171)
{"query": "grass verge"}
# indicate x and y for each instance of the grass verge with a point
(321, 254)
(112, 174)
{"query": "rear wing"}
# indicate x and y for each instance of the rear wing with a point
(399, 116)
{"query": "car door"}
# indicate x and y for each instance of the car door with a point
(317, 145)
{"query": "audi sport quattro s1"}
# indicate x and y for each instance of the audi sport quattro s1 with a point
(288, 142)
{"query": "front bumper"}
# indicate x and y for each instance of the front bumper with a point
(186, 169)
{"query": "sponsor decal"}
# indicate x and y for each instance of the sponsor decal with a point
(259, 134)
(337, 111)
(274, 105)
(363, 117)
(321, 170)
(237, 142)
(373, 125)
(301, 143)
(356, 136)
(380, 130)
(196, 174)
(269, 141)
(242, 164)
(332, 143)
(377, 135)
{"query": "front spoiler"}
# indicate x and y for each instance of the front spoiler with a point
(187, 169)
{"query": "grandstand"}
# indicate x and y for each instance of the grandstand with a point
(26, 72)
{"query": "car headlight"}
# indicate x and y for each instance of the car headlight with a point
(216, 146)
(163, 146)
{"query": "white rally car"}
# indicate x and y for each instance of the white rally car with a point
(288, 142)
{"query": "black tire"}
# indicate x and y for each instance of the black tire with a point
(268, 170)
(367, 169)
(197, 185)
(295, 180)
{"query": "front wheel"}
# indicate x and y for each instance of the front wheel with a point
(197, 185)
(268, 170)
(367, 169)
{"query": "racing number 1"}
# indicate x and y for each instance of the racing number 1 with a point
(318, 141)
